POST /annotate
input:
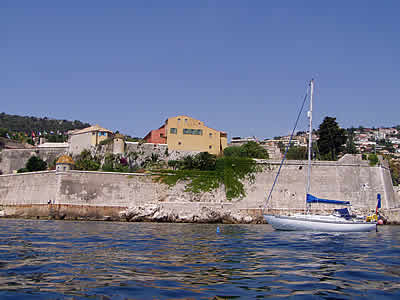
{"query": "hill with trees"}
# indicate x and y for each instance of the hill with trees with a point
(26, 124)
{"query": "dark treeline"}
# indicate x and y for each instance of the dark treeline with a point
(14, 123)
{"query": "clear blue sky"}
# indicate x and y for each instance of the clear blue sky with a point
(239, 66)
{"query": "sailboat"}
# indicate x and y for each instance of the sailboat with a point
(339, 221)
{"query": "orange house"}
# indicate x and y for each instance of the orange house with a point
(156, 136)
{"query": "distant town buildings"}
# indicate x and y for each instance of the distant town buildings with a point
(366, 140)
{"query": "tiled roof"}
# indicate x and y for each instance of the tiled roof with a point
(65, 159)
(92, 128)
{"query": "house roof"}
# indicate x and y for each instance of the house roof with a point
(90, 129)
(65, 159)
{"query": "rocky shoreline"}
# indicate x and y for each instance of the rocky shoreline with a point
(154, 213)
(157, 213)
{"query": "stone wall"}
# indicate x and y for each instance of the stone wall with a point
(28, 188)
(14, 159)
(355, 182)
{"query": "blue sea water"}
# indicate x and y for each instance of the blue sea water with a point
(104, 260)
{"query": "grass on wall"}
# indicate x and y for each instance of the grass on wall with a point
(229, 171)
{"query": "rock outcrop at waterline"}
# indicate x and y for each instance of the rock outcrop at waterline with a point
(158, 213)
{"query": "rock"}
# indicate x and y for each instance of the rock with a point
(157, 213)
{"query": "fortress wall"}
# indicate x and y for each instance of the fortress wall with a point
(105, 189)
(14, 159)
(357, 183)
(28, 188)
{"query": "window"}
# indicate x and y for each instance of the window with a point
(192, 131)
(179, 143)
(210, 134)
(173, 131)
(210, 147)
(93, 133)
(185, 121)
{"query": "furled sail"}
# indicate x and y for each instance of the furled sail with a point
(313, 199)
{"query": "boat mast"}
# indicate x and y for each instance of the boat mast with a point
(310, 140)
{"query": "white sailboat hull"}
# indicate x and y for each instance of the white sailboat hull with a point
(317, 223)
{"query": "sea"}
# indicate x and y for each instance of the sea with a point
(42, 259)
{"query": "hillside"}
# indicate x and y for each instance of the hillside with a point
(27, 124)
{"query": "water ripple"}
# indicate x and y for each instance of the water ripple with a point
(101, 260)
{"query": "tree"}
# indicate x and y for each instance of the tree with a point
(34, 164)
(205, 161)
(86, 162)
(3, 132)
(297, 153)
(254, 150)
(233, 151)
(250, 149)
(331, 139)
(350, 145)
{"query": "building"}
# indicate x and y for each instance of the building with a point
(156, 136)
(184, 133)
(87, 137)
(238, 141)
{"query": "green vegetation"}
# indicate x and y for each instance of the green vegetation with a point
(205, 172)
(331, 139)
(106, 141)
(14, 123)
(115, 163)
(350, 145)
(250, 149)
(86, 162)
(34, 164)
(373, 159)
(394, 166)
(297, 153)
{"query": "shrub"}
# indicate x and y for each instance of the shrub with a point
(86, 162)
(373, 159)
(228, 171)
(35, 164)
(250, 149)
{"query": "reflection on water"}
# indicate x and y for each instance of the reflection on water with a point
(58, 259)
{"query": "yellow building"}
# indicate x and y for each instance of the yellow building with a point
(188, 134)
(87, 137)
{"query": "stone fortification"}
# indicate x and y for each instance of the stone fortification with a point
(14, 159)
(78, 194)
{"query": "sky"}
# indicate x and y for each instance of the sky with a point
(240, 66)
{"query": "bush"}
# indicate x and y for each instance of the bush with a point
(86, 162)
(35, 164)
(373, 159)
(106, 141)
(250, 149)
(297, 153)
(228, 171)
